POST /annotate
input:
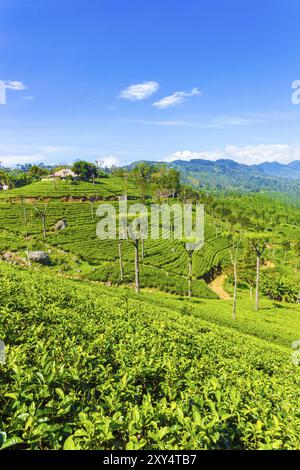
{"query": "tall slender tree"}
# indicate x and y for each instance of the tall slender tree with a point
(41, 211)
(25, 223)
(136, 230)
(189, 244)
(258, 243)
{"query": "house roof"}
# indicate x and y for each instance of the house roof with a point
(64, 172)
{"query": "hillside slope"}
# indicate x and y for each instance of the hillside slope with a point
(233, 176)
(227, 174)
(100, 368)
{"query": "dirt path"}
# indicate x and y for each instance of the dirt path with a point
(217, 286)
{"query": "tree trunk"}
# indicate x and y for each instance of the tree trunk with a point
(251, 292)
(257, 283)
(143, 250)
(234, 291)
(26, 232)
(25, 221)
(42, 216)
(92, 210)
(44, 226)
(190, 275)
(137, 271)
(121, 261)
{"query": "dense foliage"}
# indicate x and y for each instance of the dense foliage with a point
(96, 369)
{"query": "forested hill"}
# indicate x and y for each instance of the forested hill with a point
(228, 174)
(267, 169)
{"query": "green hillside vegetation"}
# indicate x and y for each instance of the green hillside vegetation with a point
(96, 368)
(225, 174)
(104, 187)
(98, 259)
(93, 365)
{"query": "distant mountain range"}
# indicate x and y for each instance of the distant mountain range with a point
(230, 175)
(280, 170)
(273, 169)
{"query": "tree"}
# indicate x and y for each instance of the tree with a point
(188, 194)
(5, 178)
(25, 223)
(141, 175)
(286, 245)
(165, 181)
(121, 235)
(18, 178)
(85, 170)
(136, 266)
(190, 271)
(124, 175)
(236, 244)
(69, 179)
(136, 230)
(297, 252)
(173, 181)
(258, 243)
(120, 260)
(41, 212)
(250, 280)
(92, 200)
(189, 244)
(135, 240)
(36, 172)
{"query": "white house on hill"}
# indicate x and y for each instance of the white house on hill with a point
(65, 173)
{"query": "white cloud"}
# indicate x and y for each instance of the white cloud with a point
(160, 123)
(187, 155)
(225, 121)
(12, 159)
(140, 91)
(249, 154)
(15, 85)
(11, 155)
(109, 161)
(216, 123)
(56, 149)
(177, 98)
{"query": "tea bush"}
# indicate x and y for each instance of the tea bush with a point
(91, 367)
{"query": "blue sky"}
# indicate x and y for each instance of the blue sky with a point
(213, 80)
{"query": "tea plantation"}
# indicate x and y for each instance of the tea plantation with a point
(98, 259)
(91, 367)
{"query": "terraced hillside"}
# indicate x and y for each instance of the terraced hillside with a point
(163, 266)
(105, 188)
(92, 367)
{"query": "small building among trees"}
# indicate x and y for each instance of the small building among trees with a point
(65, 173)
